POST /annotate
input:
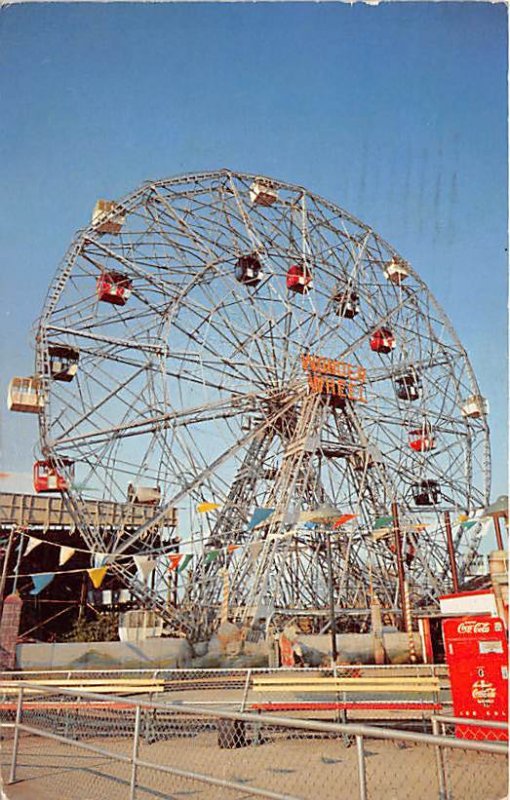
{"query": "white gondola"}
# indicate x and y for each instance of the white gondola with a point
(107, 217)
(144, 495)
(25, 394)
(262, 192)
(396, 271)
(475, 407)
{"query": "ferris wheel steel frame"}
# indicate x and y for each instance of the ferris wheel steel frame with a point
(166, 381)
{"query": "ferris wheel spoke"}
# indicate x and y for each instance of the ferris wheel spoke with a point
(127, 344)
(210, 469)
(190, 416)
(183, 225)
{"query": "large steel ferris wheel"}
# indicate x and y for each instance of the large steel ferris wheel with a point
(229, 338)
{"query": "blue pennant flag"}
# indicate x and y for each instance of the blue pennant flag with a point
(310, 525)
(41, 581)
(259, 515)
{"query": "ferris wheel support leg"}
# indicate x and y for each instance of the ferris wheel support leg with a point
(451, 551)
(497, 529)
(405, 617)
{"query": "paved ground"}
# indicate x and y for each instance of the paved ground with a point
(313, 768)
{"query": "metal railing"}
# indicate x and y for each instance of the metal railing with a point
(159, 750)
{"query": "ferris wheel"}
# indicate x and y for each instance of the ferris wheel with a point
(236, 340)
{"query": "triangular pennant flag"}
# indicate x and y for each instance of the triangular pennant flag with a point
(145, 566)
(96, 575)
(174, 561)
(310, 525)
(211, 555)
(65, 554)
(41, 581)
(380, 534)
(383, 522)
(185, 561)
(31, 545)
(461, 518)
(259, 515)
(468, 524)
(232, 547)
(202, 508)
(417, 528)
(343, 519)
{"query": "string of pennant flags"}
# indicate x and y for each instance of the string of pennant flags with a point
(178, 562)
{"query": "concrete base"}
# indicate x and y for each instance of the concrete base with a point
(149, 654)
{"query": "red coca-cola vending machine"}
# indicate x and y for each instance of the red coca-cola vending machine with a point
(477, 657)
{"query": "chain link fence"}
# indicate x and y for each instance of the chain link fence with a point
(232, 687)
(82, 746)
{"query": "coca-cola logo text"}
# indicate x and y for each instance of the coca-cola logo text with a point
(473, 627)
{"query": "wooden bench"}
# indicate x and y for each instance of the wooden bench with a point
(115, 686)
(424, 689)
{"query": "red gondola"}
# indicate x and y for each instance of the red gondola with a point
(422, 439)
(114, 288)
(47, 478)
(383, 341)
(299, 278)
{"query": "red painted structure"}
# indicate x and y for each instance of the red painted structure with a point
(477, 657)
(385, 705)
(47, 478)
(383, 341)
(299, 278)
(114, 288)
(421, 440)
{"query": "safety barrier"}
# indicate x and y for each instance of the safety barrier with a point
(78, 745)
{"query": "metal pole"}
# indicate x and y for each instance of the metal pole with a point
(16, 568)
(334, 651)
(409, 625)
(134, 756)
(400, 564)
(5, 567)
(362, 775)
(497, 528)
(19, 709)
(451, 551)
(441, 776)
(246, 690)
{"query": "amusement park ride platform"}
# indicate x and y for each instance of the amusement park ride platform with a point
(42, 513)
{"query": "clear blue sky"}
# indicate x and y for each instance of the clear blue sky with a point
(396, 113)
